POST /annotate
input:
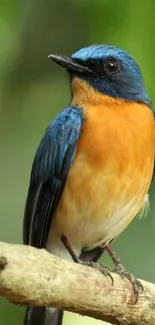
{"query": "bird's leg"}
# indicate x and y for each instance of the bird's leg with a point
(69, 249)
(120, 269)
(104, 269)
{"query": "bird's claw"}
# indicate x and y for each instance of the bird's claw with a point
(103, 268)
(136, 284)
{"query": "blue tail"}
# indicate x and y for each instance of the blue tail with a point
(43, 316)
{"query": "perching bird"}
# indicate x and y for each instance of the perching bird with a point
(94, 165)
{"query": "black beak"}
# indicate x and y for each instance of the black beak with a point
(69, 63)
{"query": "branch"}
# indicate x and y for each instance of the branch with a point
(29, 276)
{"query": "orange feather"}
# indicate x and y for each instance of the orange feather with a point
(110, 177)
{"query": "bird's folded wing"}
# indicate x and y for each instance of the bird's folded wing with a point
(52, 162)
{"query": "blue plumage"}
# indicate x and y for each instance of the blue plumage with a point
(127, 83)
(102, 51)
(52, 162)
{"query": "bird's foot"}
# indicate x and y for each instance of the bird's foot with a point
(103, 268)
(136, 284)
(120, 269)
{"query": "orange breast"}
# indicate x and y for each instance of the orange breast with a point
(110, 177)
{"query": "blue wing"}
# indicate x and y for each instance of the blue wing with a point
(52, 162)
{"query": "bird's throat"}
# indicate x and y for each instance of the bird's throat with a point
(83, 93)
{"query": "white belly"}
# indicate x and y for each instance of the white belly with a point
(96, 215)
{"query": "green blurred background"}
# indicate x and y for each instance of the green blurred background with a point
(33, 90)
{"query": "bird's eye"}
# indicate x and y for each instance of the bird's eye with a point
(112, 65)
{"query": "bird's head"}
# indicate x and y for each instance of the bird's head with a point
(108, 69)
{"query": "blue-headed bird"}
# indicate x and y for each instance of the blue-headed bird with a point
(94, 165)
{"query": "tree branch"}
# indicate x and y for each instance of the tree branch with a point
(29, 276)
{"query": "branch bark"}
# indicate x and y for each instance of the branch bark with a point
(29, 276)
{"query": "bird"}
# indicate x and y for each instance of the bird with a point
(93, 167)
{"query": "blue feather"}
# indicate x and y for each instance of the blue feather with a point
(126, 84)
(52, 162)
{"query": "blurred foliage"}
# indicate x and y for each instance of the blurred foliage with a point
(33, 90)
